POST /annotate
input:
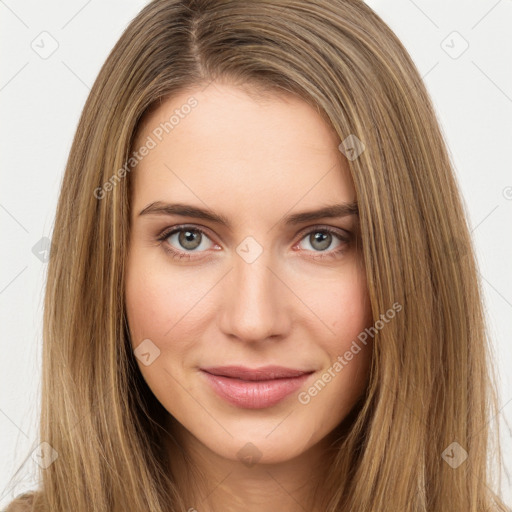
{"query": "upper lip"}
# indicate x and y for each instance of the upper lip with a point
(262, 373)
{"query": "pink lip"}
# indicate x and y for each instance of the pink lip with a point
(255, 389)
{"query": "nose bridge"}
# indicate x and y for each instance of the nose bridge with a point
(252, 309)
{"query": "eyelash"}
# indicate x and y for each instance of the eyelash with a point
(182, 255)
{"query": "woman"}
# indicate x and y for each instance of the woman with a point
(204, 348)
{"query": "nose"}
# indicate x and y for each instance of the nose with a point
(255, 304)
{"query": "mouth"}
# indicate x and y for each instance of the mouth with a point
(255, 388)
(256, 374)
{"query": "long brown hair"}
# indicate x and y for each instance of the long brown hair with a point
(431, 381)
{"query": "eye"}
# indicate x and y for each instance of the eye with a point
(181, 240)
(321, 238)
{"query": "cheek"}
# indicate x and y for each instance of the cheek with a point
(154, 307)
(166, 307)
(155, 297)
(150, 303)
(345, 308)
(146, 303)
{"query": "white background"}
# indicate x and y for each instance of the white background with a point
(41, 100)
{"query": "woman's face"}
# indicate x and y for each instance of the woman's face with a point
(248, 283)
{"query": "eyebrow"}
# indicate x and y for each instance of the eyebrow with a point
(185, 210)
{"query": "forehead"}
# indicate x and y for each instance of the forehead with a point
(222, 145)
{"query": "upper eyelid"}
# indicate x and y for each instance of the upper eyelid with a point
(322, 227)
(167, 232)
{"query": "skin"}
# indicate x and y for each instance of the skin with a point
(254, 162)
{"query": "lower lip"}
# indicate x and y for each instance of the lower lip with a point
(254, 394)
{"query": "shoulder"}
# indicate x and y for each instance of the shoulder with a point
(22, 503)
